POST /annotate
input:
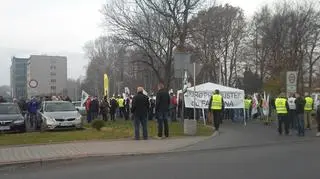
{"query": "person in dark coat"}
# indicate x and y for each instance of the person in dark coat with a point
(94, 108)
(140, 106)
(104, 108)
(127, 108)
(113, 108)
(162, 110)
(68, 99)
(2, 100)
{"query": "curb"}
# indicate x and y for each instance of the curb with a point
(42, 162)
(86, 155)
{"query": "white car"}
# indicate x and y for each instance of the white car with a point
(59, 114)
(81, 109)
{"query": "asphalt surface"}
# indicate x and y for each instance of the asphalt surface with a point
(254, 134)
(290, 157)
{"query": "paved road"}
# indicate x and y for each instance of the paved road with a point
(291, 160)
(235, 135)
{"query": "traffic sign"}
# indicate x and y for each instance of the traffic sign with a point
(33, 83)
(291, 81)
(292, 78)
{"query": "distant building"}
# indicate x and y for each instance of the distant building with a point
(18, 77)
(46, 75)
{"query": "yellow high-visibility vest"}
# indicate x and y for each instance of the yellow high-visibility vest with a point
(121, 101)
(247, 103)
(281, 106)
(216, 103)
(308, 105)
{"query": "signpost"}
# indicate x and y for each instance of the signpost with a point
(291, 82)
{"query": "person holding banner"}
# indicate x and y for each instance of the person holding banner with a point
(216, 107)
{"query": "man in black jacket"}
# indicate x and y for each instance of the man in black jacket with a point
(140, 106)
(94, 108)
(162, 110)
(300, 103)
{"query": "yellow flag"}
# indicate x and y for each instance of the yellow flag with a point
(106, 84)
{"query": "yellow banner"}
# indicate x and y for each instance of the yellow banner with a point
(106, 84)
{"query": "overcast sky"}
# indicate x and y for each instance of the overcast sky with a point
(58, 27)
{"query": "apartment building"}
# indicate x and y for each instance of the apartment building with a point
(46, 75)
(18, 77)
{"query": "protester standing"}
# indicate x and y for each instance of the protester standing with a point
(2, 100)
(127, 108)
(308, 109)
(88, 106)
(113, 108)
(216, 107)
(33, 107)
(282, 108)
(151, 108)
(140, 105)
(162, 109)
(248, 105)
(121, 106)
(300, 103)
(292, 112)
(318, 120)
(173, 107)
(104, 108)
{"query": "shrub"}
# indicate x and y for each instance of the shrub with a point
(98, 124)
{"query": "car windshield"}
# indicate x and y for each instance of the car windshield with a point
(55, 107)
(9, 109)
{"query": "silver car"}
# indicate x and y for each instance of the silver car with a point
(59, 114)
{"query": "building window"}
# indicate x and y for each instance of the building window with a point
(53, 74)
(53, 80)
(53, 88)
(52, 67)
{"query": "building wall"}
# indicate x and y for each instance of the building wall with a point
(51, 74)
(18, 77)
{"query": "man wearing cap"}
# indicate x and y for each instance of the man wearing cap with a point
(216, 107)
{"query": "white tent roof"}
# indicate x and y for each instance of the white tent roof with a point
(212, 86)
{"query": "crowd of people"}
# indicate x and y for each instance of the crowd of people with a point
(294, 113)
(139, 108)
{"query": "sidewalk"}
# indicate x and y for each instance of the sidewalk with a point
(53, 152)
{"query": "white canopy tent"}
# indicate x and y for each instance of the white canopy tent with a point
(198, 97)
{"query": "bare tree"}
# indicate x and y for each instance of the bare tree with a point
(217, 34)
(155, 27)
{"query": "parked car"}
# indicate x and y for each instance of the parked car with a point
(11, 118)
(81, 109)
(59, 114)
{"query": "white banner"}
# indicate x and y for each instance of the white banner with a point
(232, 100)
(84, 97)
